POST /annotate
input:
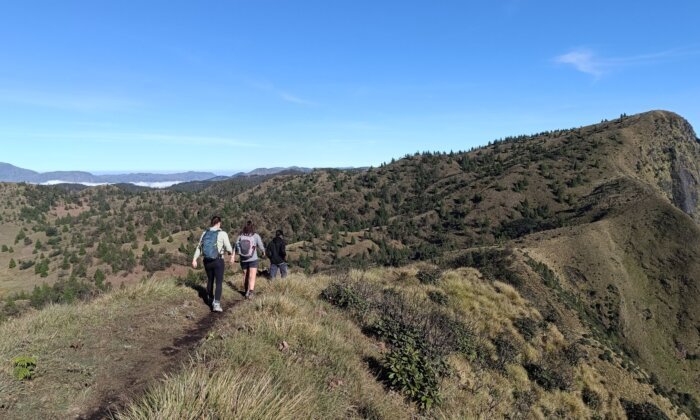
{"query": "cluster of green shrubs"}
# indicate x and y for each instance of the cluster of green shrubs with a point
(153, 261)
(493, 263)
(527, 327)
(419, 335)
(429, 276)
(556, 371)
(119, 259)
(347, 296)
(23, 265)
(42, 268)
(534, 219)
(411, 366)
(642, 411)
(685, 401)
(591, 398)
(193, 279)
(63, 291)
(438, 297)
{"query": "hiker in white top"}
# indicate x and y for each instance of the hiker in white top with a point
(212, 244)
(247, 246)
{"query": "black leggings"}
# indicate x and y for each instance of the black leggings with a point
(214, 269)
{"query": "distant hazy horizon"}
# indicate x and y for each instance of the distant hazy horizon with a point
(172, 171)
(133, 84)
(217, 172)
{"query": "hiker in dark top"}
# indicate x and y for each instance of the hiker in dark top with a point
(212, 244)
(247, 246)
(278, 255)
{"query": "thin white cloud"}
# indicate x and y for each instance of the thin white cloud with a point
(587, 61)
(294, 99)
(282, 94)
(67, 101)
(583, 61)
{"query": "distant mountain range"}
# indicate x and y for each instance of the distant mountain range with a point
(11, 173)
(271, 171)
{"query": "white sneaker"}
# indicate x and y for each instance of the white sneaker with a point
(216, 307)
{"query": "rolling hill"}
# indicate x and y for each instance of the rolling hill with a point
(594, 230)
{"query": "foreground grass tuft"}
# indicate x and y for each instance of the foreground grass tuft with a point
(199, 393)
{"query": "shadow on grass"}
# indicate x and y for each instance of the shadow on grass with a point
(230, 284)
(376, 368)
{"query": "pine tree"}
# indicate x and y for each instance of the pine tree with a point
(99, 279)
(13, 264)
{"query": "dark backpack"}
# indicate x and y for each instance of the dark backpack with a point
(246, 246)
(209, 246)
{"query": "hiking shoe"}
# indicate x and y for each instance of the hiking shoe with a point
(216, 307)
(249, 295)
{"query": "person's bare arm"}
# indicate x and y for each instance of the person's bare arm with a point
(197, 252)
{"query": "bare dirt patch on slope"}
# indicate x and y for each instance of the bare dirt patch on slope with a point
(129, 376)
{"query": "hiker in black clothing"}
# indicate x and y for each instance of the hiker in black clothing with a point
(213, 243)
(278, 255)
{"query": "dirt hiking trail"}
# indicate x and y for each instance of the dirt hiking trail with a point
(147, 352)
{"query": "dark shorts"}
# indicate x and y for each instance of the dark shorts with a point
(249, 264)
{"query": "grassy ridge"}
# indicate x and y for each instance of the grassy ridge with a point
(333, 365)
(291, 354)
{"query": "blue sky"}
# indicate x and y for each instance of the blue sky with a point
(233, 85)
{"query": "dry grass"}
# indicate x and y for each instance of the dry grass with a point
(287, 354)
(84, 349)
(492, 306)
(243, 394)
(323, 373)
